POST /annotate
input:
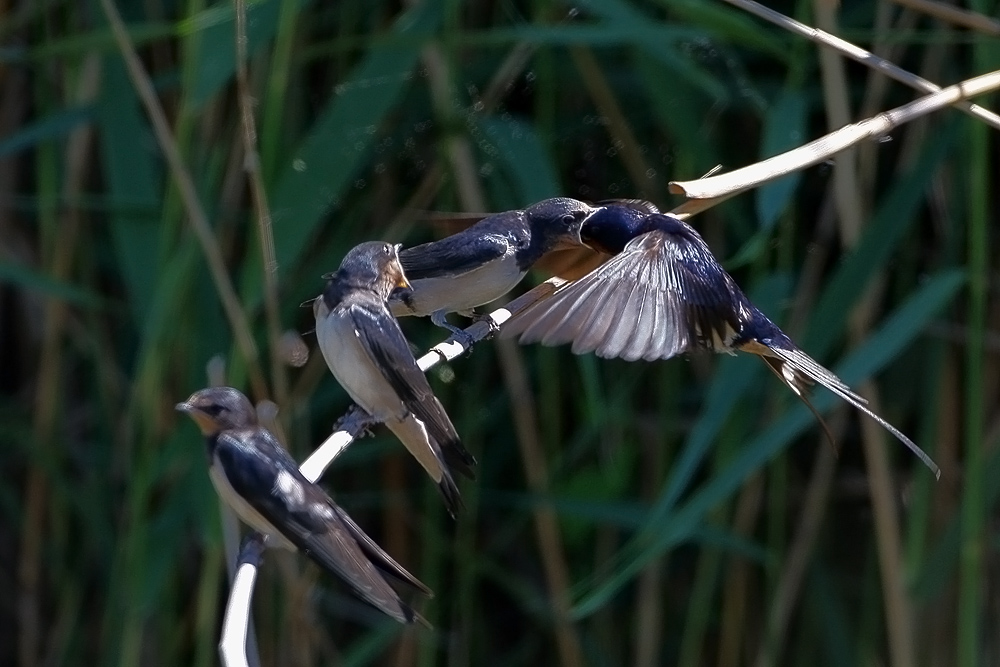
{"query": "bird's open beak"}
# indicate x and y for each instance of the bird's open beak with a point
(573, 239)
(401, 281)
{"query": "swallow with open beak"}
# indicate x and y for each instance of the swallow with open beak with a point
(663, 293)
(366, 351)
(258, 479)
(485, 261)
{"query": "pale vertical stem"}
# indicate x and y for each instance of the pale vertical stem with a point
(848, 199)
(546, 523)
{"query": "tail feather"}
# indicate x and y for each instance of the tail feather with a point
(777, 367)
(434, 459)
(458, 458)
(449, 491)
(379, 558)
(800, 362)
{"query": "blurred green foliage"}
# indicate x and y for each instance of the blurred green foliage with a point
(699, 516)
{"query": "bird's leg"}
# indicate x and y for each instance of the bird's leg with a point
(466, 340)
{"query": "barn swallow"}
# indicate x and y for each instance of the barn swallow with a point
(366, 351)
(485, 261)
(663, 293)
(255, 476)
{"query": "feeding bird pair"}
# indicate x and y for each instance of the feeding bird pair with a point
(661, 293)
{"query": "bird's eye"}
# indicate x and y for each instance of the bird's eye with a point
(213, 410)
(569, 219)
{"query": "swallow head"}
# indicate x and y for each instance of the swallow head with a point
(374, 265)
(611, 227)
(217, 409)
(559, 220)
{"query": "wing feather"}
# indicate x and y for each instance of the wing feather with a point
(382, 338)
(647, 302)
(453, 255)
(310, 520)
(627, 318)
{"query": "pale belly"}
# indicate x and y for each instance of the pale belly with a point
(477, 287)
(350, 364)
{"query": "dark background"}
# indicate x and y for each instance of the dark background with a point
(686, 512)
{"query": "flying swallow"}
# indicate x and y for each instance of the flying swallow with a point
(255, 476)
(663, 293)
(366, 351)
(482, 263)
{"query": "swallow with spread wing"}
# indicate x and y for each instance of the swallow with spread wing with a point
(482, 263)
(255, 476)
(663, 293)
(366, 351)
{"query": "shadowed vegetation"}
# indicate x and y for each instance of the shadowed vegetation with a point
(685, 512)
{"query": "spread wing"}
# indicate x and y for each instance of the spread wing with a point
(262, 473)
(664, 294)
(382, 338)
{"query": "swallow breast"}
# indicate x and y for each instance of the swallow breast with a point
(355, 370)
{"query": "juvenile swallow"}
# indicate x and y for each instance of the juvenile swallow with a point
(663, 293)
(255, 476)
(366, 351)
(485, 261)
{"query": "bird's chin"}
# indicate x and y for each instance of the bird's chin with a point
(206, 424)
(572, 242)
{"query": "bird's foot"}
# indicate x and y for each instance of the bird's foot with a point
(362, 421)
(486, 317)
(252, 549)
(460, 336)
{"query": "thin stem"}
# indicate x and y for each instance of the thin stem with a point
(195, 212)
(251, 163)
(973, 511)
(862, 56)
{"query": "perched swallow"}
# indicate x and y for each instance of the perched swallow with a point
(663, 293)
(368, 354)
(255, 476)
(485, 261)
